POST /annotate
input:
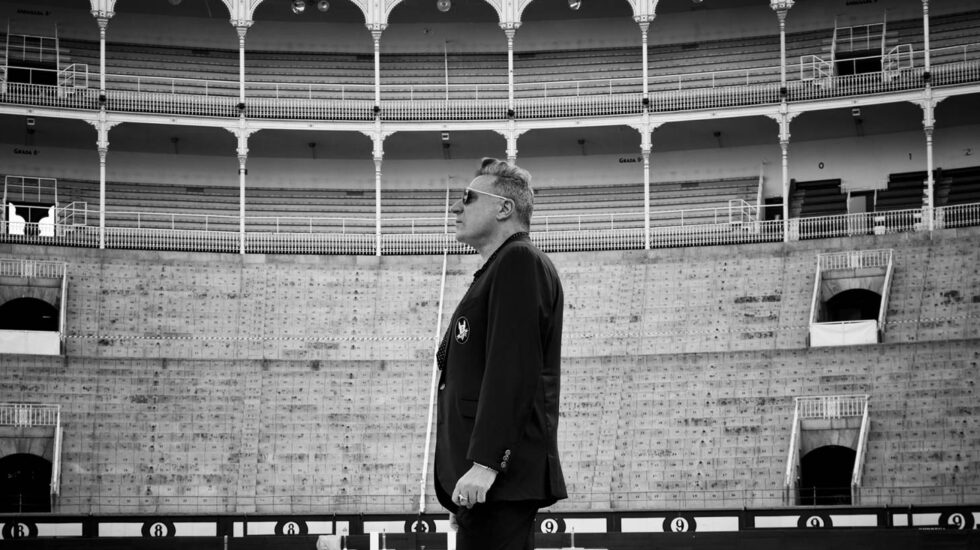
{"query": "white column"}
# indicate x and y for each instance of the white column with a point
(646, 146)
(925, 29)
(103, 23)
(377, 205)
(376, 35)
(644, 30)
(242, 135)
(102, 127)
(928, 125)
(781, 7)
(242, 30)
(510, 32)
(512, 147)
(784, 147)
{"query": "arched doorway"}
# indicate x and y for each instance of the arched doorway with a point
(28, 314)
(25, 484)
(855, 304)
(826, 476)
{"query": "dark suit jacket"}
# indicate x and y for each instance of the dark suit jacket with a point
(499, 387)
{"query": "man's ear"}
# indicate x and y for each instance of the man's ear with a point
(506, 210)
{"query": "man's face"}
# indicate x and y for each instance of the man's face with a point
(476, 213)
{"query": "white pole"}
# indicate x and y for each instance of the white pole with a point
(435, 364)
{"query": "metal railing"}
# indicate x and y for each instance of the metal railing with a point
(203, 100)
(831, 406)
(855, 259)
(860, 456)
(29, 415)
(10, 267)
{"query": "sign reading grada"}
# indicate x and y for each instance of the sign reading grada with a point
(30, 152)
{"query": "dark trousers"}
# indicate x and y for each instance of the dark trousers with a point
(496, 526)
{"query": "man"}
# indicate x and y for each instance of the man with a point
(496, 457)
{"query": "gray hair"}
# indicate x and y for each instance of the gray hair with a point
(511, 181)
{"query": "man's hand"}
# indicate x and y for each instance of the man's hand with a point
(473, 486)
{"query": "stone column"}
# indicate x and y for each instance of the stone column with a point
(928, 126)
(376, 35)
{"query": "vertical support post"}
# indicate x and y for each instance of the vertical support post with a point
(103, 23)
(928, 125)
(378, 139)
(784, 135)
(512, 136)
(781, 7)
(644, 22)
(242, 29)
(926, 46)
(376, 35)
(646, 146)
(102, 127)
(242, 135)
(510, 31)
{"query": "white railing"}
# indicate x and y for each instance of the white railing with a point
(814, 312)
(560, 107)
(813, 68)
(831, 406)
(29, 415)
(885, 291)
(738, 224)
(444, 109)
(32, 268)
(860, 456)
(960, 215)
(897, 59)
(49, 96)
(310, 109)
(793, 459)
(73, 77)
(865, 223)
(56, 465)
(859, 37)
(855, 259)
(708, 94)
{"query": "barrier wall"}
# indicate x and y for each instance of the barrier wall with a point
(218, 383)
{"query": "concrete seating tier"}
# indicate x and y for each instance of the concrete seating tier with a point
(201, 383)
(419, 76)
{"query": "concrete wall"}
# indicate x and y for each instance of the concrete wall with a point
(198, 382)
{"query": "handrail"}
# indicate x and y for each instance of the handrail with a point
(42, 269)
(855, 259)
(28, 415)
(816, 293)
(793, 458)
(831, 406)
(63, 309)
(862, 450)
(885, 291)
(56, 463)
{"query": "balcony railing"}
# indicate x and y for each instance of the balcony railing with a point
(583, 98)
(556, 233)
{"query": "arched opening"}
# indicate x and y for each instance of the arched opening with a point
(853, 305)
(28, 314)
(825, 478)
(25, 484)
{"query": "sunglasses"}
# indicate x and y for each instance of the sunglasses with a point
(468, 195)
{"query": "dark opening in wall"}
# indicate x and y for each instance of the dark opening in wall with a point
(825, 477)
(28, 314)
(853, 305)
(25, 484)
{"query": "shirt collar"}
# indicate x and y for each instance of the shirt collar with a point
(519, 236)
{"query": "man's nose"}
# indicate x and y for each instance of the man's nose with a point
(457, 207)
